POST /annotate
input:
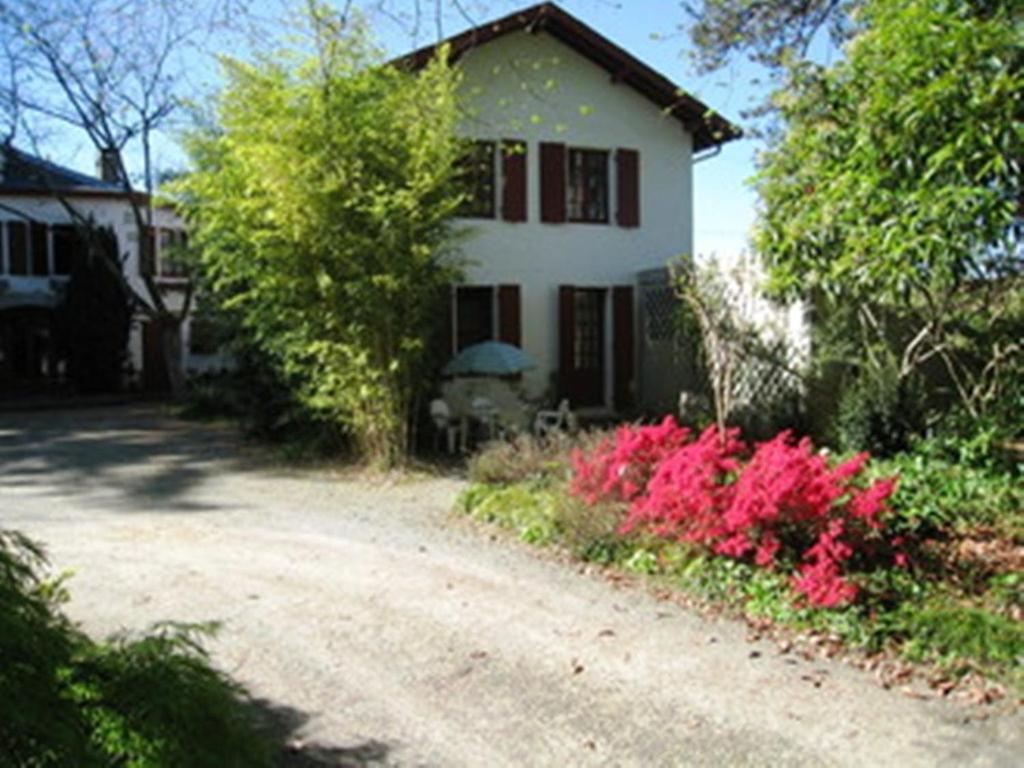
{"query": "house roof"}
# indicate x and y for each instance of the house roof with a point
(709, 129)
(22, 173)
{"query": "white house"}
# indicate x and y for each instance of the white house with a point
(37, 247)
(583, 173)
(583, 176)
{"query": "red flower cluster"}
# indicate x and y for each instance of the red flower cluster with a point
(620, 468)
(782, 501)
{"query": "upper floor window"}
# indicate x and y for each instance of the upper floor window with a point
(171, 252)
(575, 185)
(34, 249)
(478, 176)
(588, 185)
(162, 252)
(17, 247)
(66, 247)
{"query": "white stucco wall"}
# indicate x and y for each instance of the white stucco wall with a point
(532, 87)
(747, 276)
(108, 211)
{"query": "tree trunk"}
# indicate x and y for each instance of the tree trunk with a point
(174, 360)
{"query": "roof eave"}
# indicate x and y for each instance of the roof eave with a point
(707, 127)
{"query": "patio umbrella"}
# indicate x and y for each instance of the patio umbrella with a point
(489, 358)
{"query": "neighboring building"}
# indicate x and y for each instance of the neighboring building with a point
(583, 172)
(37, 248)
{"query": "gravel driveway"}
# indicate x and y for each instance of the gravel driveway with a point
(380, 631)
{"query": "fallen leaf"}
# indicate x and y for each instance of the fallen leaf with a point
(908, 691)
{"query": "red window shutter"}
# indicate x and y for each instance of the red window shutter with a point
(623, 345)
(510, 328)
(566, 337)
(628, 198)
(513, 191)
(39, 249)
(552, 183)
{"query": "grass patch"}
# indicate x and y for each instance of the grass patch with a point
(956, 635)
(530, 511)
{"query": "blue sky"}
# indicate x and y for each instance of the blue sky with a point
(653, 30)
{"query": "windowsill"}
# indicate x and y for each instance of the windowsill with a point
(15, 276)
(171, 283)
(606, 222)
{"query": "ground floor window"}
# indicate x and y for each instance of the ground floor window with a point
(474, 315)
(478, 313)
(28, 355)
(585, 356)
(596, 345)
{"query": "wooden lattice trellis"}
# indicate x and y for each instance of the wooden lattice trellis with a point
(765, 380)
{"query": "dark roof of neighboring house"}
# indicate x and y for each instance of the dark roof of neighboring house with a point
(709, 129)
(22, 173)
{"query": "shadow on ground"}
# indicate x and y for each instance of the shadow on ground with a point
(283, 724)
(140, 454)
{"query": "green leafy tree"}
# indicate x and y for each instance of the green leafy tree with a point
(893, 192)
(321, 203)
(769, 32)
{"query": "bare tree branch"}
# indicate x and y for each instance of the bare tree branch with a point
(111, 69)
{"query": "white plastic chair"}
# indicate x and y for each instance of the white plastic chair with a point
(558, 420)
(486, 413)
(441, 414)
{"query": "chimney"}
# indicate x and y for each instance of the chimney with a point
(110, 166)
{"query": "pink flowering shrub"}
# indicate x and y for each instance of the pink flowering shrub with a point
(781, 503)
(619, 469)
(688, 489)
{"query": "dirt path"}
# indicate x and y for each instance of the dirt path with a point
(385, 634)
